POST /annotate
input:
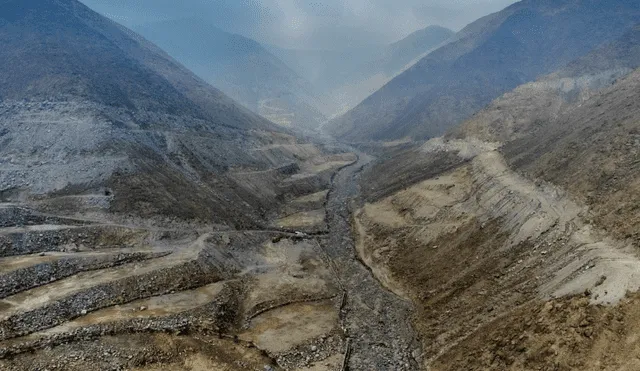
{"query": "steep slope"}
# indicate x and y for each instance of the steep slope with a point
(241, 68)
(87, 104)
(591, 151)
(489, 57)
(589, 101)
(530, 106)
(521, 254)
(523, 222)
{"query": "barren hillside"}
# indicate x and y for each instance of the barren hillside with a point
(489, 57)
(515, 237)
(149, 222)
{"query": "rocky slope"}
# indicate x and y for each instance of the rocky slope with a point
(488, 58)
(149, 222)
(89, 105)
(241, 68)
(589, 101)
(519, 112)
(477, 245)
(514, 236)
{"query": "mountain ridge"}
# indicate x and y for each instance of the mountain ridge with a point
(489, 57)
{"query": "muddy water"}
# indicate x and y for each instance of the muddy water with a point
(377, 322)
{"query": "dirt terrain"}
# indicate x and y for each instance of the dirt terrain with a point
(480, 248)
(87, 288)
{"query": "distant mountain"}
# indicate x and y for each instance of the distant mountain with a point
(241, 68)
(486, 59)
(394, 59)
(328, 69)
(400, 54)
(349, 76)
(87, 104)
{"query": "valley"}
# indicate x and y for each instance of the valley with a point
(169, 285)
(474, 208)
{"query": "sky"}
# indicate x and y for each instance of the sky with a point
(308, 24)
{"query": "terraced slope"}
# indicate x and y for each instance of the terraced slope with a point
(195, 281)
(149, 222)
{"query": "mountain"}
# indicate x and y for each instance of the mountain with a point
(88, 104)
(241, 68)
(486, 59)
(529, 214)
(529, 106)
(400, 54)
(348, 76)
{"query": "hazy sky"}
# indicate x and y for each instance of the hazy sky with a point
(308, 24)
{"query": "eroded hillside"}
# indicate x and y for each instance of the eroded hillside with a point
(149, 222)
(480, 249)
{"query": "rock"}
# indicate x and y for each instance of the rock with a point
(83, 312)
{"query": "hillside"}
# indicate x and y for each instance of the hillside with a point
(488, 58)
(519, 113)
(88, 103)
(587, 153)
(241, 68)
(515, 234)
(522, 253)
(149, 222)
